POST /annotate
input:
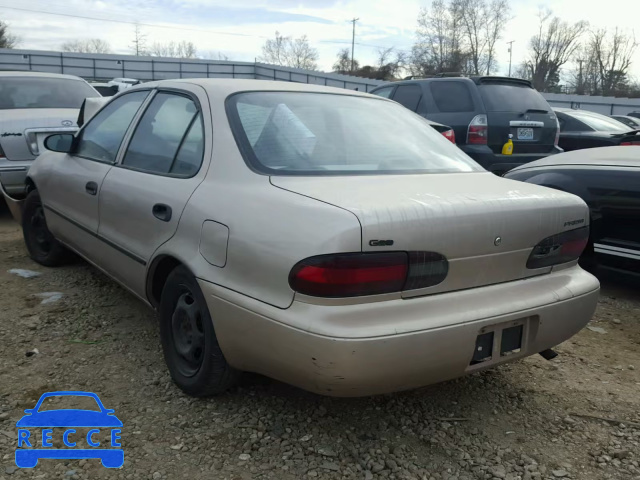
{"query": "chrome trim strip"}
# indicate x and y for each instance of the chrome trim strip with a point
(525, 123)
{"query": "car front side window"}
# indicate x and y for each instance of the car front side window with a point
(100, 140)
(169, 138)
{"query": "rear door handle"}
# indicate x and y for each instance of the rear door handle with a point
(162, 212)
(91, 188)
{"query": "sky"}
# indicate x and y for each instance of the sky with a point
(239, 28)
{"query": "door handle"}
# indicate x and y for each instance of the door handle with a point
(162, 212)
(91, 188)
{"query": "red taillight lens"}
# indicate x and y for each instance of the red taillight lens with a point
(561, 248)
(359, 274)
(449, 135)
(630, 143)
(478, 130)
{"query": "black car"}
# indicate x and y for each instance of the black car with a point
(583, 129)
(608, 180)
(483, 112)
(632, 122)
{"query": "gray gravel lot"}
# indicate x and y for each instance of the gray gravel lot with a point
(575, 417)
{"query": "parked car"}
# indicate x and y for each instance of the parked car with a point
(123, 83)
(105, 89)
(332, 239)
(583, 129)
(446, 131)
(634, 114)
(483, 112)
(632, 122)
(608, 179)
(33, 106)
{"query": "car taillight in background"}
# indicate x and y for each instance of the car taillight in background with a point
(561, 248)
(478, 130)
(636, 142)
(557, 139)
(359, 274)
(449, 135)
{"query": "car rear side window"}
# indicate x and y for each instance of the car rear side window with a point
(505, 97)
(409, 96)
(165, 140)
(452, 96)
(100, 140)
(384, 92)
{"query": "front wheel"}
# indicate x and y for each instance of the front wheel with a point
(191, 350)
(41, 244)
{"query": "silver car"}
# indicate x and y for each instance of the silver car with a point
(32, 107)
(327, 238)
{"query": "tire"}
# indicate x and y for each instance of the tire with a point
(41, 244)
(191, 350)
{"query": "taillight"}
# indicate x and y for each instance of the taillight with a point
(478, 130)
(450, 135)
(630, 143)
(561, 248)
(359, 274)
(557, 139)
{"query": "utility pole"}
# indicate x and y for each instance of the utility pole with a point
(580, 90)
(353, 40)
(510, 54)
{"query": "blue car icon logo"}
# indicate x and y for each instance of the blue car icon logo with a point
(31, 449)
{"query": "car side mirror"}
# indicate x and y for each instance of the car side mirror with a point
(61, 142)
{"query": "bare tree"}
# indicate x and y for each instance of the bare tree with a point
(7, 40)
(551, 48)
(214, 55)
(297, 53)
(300, 54)
(90, 45)
(274, 50)
(609, 56)
(173, 49)
(139, 44)
(390, 63)
(438, 46)
(496, 15)
(343, 62)
(473, 19)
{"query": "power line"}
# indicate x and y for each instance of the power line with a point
(152, 25)
(171, 27)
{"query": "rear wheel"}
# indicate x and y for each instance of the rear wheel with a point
(191, 351)
(41, 244)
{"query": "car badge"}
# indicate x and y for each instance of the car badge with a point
(497, 241)
(66, 123)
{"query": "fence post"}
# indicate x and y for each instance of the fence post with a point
(61, 63)
(153, 70)
(233, 70)
(94, 68)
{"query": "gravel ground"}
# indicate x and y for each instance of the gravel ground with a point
(532, 419)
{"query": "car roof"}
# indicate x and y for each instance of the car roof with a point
(619, 156)
(17, 73)
(228, 86)
(476, 79)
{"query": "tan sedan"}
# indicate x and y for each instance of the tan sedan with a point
(323, 237)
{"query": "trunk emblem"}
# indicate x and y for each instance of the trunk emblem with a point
(497, 241)
(66, 123)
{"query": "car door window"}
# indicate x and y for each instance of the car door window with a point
(101, 138)
(409, 96)
(159, 136)
(384, 92)
(451, 96)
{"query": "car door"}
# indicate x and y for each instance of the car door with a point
(144, 194)
(72, 184)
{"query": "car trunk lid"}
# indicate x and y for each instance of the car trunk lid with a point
(22, 131)
(514, 108)
(484, 225)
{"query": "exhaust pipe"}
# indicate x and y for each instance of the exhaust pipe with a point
(549, 354)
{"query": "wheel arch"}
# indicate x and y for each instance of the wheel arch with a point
(159, 270)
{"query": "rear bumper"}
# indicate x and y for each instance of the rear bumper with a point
(381, 347)
(502, 163)
(13, 176)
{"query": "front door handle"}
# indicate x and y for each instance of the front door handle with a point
(91, 188)
(162, 212)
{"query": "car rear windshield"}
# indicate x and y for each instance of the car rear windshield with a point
(42, 92)
(599, 122)
(504, 97)
(299, 133)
